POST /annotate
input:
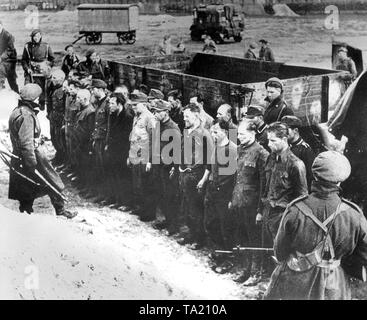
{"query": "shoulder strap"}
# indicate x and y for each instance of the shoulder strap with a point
(27, 49)
(281, 111)
(306, 210)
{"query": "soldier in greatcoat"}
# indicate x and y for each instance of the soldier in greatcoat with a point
(322, 239)
(25, 132)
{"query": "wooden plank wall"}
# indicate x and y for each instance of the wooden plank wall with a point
(306, 95)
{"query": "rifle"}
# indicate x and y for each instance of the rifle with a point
(239, 249)
(37, 173)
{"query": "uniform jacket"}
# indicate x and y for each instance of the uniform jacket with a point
(36, 52)
(24, 129)
(250, 178)
(347, 65)
(303, 151)
(98, 70)
(168, 132)
(202, 147)
(285, 179)
(262, 136)
(297, 232)
(249, 54)
(141, 138)
(71, 109)
(118, 130)
(101, 119)
(84, 128)
(223, 170)
(7, 49)
(276, 110)
(69, 63)
(56, 104)
(266, 54)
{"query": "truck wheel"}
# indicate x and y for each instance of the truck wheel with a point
(218, 39)
(195, 36)
(98, 38)
(237, 38)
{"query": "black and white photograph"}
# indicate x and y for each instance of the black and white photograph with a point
(201, 151)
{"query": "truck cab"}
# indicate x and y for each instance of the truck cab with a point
(219, 21)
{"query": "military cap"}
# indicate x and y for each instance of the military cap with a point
(161, 105)
(175, 93)
(331, 166)
(98, 83)
(90, 52)
(138, 97)
(155, 94)
(30, 92)
(292, 121)
(34, 32)
(255, 111)
(263, 41)
(68, 46)
(143, 88)
(343, 49)
(274, 82)
(58, 74)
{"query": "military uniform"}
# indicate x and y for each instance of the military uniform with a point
(168, 186)
(192, 169)
(266, 54)
(219, 224)
(303, 232)
(249, 54)
(262, 136)
(69, 62)
(347, 64)
(99, 136)
(246, 199)
(285, 181)
(276, 110)
(55, 112)
(98, 70)
(82, 143)
(25, 131)
(304, 152)
(37, 57)
(8, 59)
(71, 110)
(140, 152)
(117, 149)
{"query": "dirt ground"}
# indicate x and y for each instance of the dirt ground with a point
(109, 254)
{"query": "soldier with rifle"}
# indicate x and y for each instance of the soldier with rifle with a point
(29, 159)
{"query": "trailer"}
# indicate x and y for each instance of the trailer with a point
(96, 19)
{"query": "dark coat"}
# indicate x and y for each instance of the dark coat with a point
(7, 49)
(299, 233)
(36, 52)
(25, 131)
(276, 110)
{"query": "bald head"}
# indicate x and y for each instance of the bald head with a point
(83, 97)
(224, 112)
